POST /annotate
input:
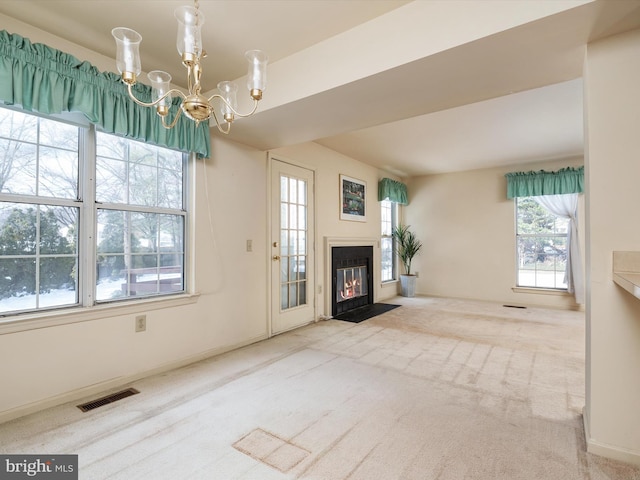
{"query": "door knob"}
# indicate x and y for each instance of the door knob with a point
(276, 257)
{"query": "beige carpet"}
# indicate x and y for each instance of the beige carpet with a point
(436, 389)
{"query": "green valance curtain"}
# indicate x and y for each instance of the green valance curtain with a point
(533, 184)
(42, 79)
(392, 190)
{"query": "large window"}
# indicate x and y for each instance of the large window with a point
(64, 185)
(140, 219)
(389, 216)
(541, 239)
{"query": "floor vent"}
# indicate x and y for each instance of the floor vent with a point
(513, 306)
(114, 397)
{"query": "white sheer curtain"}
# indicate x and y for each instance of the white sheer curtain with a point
(566, 206)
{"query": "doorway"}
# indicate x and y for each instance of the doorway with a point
(292, 246)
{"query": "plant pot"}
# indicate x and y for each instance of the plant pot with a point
(408, 285)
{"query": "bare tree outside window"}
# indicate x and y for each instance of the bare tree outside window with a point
(141, 220)
(138, 209)
(39, 236)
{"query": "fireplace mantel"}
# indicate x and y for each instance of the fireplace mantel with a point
(329, 243)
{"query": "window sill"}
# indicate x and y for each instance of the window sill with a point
(389, 282)
(541, 291)
(65, 316)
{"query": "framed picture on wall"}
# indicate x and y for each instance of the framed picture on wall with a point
(353, 195)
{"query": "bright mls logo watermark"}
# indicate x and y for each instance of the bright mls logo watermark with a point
(49, 467)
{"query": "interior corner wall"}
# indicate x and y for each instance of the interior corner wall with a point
(612, 105)
(467, 226)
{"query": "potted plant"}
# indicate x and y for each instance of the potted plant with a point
(407, 246)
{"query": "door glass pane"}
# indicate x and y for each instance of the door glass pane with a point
(293, 243)
(302, 293)
(284, 297)
(301, 267)
(292, 268)
(284, 269)
(293, 217)
(302, 192)
(293, 236)
(293, 295)
(293, 190)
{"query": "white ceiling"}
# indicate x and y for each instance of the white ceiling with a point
(507, 98)
(536, 125)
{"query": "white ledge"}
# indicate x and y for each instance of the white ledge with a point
(629, 281)
(626, 271)
(64, 316)
(541, 291)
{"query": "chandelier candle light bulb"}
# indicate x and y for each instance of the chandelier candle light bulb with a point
(128, 53)
(194, 105)
(228, 90)
(257, 77)
(161, 84)
(189, 40)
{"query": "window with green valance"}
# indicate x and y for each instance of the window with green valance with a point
(533, 184)
(42, 79)
(393, 191)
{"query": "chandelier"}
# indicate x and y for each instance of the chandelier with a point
(194, 105)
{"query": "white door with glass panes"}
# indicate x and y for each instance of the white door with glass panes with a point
(292, 247)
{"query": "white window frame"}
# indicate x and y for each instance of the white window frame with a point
(394, 212)
(87, 308)
(518, 236)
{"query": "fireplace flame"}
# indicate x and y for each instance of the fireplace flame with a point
(350, 289)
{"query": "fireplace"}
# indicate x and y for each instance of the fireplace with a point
(352, 278)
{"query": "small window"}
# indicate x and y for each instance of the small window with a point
(541, 240)
(389, 219)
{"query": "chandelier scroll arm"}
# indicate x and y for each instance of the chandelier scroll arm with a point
(175, 119)
(235, 112)
(221, 129)
(155, 102)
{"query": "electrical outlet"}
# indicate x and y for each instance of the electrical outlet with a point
(417, 274)
(249, 245)
(141, 323)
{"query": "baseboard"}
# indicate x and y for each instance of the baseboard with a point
(574, 307)
(118, 382)
(608, 451)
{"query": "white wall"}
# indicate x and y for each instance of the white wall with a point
(97, 350)
(88, 357)
(104, 351)
(612, 94)
(467, 227)
(328, 166)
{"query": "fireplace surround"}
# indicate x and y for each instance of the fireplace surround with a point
(350, 273)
